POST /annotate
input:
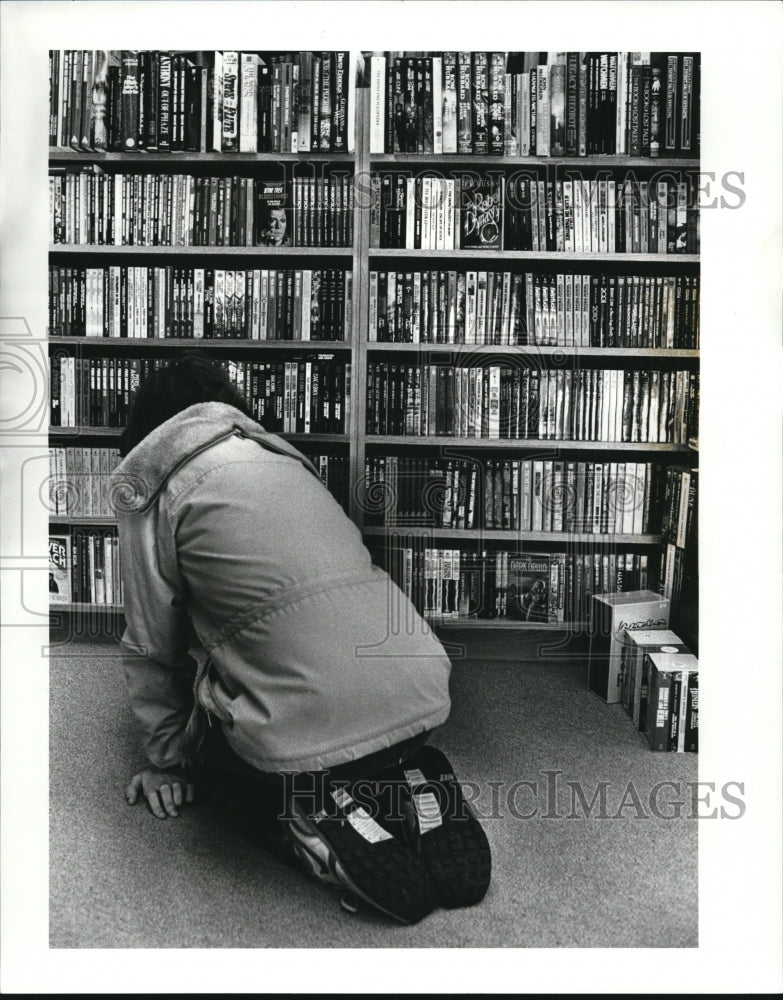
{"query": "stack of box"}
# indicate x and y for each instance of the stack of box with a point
(660, 686)
(636, 660)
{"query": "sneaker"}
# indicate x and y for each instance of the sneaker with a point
(442, 830)
(342, 845)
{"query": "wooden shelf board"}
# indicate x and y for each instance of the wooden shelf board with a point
(87, 521)
(116, 431)
(456, 623)
(496, 535)
(243, 344)
(543, 255)
(183, 343)
(474, 159)
(522, 444)
(542, 349)
(85, 608)
(60, 154)
(189, 251)
(504, 624)
(109, 432)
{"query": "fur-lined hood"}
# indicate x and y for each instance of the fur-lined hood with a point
(144, 472)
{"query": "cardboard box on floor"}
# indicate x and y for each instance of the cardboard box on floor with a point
(632, 682)
(613, 615)
(672, 701)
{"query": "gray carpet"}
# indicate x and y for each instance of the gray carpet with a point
(120, 878)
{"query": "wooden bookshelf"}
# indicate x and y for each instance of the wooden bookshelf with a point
(361, 258)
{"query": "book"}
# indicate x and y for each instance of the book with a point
(249, 64)
(230, 90)
(273, 214)
(378, 124)
(481, 213)
(529, 587)
(59, 569)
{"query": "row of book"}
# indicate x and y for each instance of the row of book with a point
(536, 103)
(513, 494)
(222, 101)
(80, 480)
(496, 402)
(90, 207)
(334, 471)
(474, 211)
(84, 567)
(679, 567)
(518, 308)
(195, 302)
(309, 395)
(544, 587)
(660, 689)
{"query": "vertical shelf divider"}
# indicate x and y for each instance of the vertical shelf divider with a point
(361, 290)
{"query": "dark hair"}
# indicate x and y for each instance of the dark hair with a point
(181, 383)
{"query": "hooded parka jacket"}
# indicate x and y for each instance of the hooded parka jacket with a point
(310, 655)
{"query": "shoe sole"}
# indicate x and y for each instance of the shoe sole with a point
(455, 851)
(385, 875)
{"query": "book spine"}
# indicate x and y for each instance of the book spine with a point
(464, 104)
(377, 104)
(557, 109)
(230, 131)
(340, 107)
(129, 88)
(327, 97)
(572, 104)
(670, 108)
(164, 102)
(496, 124)
(686, 145)
(449, 102)
(248, 106)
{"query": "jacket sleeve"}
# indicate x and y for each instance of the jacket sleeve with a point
(158, 669)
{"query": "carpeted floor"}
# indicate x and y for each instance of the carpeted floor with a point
(120, 878)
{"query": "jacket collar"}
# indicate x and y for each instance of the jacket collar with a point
(141, 476)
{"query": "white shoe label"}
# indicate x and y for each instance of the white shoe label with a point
(414, 777)
(365, 825)
(361, 820)
(428, 811)
(425, 803)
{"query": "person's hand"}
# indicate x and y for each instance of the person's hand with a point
(164, 792)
